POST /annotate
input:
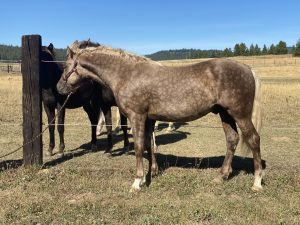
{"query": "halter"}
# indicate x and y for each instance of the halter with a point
(73, 70)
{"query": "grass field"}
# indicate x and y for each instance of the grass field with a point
(90, 188)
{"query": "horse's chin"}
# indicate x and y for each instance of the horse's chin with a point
(64, 89)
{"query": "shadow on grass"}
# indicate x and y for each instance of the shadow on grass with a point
(162, 139)
(10, 164)
(164, 125)
(238, 163)
(102, 143)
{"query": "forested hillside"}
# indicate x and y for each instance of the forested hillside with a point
(9, 52)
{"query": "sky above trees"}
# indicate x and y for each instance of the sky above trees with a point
(145, 27)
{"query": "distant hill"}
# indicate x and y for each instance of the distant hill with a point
(184, 54)
(9, 52)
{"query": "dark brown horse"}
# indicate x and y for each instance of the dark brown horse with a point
(146, 91)
(91, 96)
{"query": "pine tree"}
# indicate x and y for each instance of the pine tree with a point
(243, 49)
(236, 50)
(257, 50)
(264, 50)
(297, 49)
(227, 52)
(272, 49)
(251, 50)
(281, 48)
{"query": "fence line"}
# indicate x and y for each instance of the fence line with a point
(115, 125)
(14, 66)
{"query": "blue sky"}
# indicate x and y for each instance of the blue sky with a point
(145, 27)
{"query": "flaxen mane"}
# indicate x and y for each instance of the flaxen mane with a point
(92, 47)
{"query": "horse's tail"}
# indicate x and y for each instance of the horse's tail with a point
(256, 114)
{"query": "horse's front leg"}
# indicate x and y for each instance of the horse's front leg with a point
(61, 129)
(93, 114)
(108, 121)
(149, 145)
(138, 128)
(51, 121)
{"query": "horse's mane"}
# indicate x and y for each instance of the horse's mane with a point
(93, 47)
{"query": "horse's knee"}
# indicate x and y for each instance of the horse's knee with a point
(232, 140)
(254, 141)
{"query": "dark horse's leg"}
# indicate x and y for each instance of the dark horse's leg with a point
(138, 130)
(125, 134)
(108, 121)
(253, 140)
(232, 139)
(61, 129)
(50, 111)
(93, 111)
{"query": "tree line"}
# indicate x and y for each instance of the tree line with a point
(240, 49)
(9, 52)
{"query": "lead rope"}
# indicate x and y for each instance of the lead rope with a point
(36, 137)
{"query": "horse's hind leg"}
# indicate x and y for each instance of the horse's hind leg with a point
(118, 123)
(253, 140)
(101, 123)
(125, 133)
(108, 121)
(60, 127)
(51, 121)
(232, 139)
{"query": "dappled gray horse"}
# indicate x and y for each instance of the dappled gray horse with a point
(146, 91)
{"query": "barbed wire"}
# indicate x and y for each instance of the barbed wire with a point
(116, 125)
(39, 135)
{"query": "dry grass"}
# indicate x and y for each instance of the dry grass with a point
(89, 188)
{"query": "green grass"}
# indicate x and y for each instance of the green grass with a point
(90, 188)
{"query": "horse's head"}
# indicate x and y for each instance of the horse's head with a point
(47, 53)
(74, 75)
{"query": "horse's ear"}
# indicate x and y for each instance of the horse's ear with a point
(70, 52)
(51, 47)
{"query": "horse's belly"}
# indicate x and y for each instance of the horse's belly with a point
(180, 114)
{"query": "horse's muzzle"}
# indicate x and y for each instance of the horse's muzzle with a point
(63, 88)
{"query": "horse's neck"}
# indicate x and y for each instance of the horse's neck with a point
(110, 70)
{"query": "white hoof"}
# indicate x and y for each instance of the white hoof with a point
(256, 188)
(136, 186)
(60, 155)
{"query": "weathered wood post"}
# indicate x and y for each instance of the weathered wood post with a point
(32, 101)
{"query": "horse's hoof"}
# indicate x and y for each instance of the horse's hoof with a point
(154, 171)
(256, 188)
(134, 189)
(60, 155)
(125, 150)
(61, 148)
(218, 180)
(93, 147)
(107, 152)
(138, 182)
(49, 153)
(116, 131)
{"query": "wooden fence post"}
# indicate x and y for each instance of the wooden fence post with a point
(32, 101)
